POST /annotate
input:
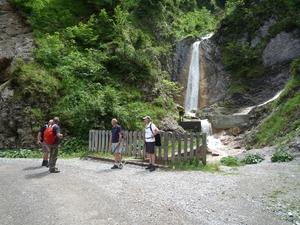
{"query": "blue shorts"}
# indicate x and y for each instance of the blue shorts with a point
(116, 149)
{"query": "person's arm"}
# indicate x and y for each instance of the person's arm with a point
(120, 137)
(58, 134)
(39, 137)
(156, 131)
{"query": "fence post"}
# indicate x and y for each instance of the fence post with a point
(134, 143)
(185, 146)
(125, 143)
(107, 140)
(139, 144)
(173, 148)
(179, 147)
(191, 146)
(166, 143)
(90, 141)
(204, 148)
(197, 146)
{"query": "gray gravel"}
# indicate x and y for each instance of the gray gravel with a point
(89, 192)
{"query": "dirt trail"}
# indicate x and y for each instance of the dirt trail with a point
(89, 192)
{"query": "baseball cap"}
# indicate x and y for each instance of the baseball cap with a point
(147, 117)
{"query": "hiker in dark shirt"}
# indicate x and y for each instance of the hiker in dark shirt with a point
(54, 147)
(115, 144)
(45, 147)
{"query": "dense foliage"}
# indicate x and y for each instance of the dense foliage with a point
(110, 57)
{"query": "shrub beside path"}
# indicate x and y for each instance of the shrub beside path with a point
(89, 192)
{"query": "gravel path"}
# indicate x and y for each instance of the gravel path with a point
(89, 192)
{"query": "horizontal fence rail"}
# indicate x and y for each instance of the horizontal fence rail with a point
(175, 146)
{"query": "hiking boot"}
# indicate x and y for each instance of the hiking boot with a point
(120, 166)
(152, 168)
(148, 167)
(54, 171)
(115, 166)
(44, 163)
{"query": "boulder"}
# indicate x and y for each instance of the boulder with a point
(169, 124)
(224, 122)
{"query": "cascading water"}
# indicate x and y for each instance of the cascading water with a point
(192, 90)
(248, 109)
(192, 95)
(206, 127)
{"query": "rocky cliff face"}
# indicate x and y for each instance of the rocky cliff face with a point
(214, 80)
(16, 41)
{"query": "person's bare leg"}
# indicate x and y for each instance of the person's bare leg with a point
(46, 156)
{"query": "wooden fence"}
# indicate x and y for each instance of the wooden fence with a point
(175, 146)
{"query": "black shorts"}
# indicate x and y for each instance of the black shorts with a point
(181, 113)
(150, 147)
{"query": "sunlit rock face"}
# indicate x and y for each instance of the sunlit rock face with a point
(16, 41)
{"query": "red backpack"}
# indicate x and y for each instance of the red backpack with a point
(49, 136)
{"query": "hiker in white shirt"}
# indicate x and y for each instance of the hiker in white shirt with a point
(150, 131)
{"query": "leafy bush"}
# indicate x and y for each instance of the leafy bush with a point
(231, 161)
(254, 158)
(74, 145)
(282, 156)
(22, 153)
(194, 164)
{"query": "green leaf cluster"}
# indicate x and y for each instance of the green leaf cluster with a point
(254, 158)
(231, 161)
(282, 156)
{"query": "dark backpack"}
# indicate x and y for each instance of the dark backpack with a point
(157, 137)
(49, 136)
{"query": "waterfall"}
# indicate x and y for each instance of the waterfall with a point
(192, 90)
(248, 109)
(206, 127)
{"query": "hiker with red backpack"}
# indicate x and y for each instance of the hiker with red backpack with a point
(40, 141)
(52, 138)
